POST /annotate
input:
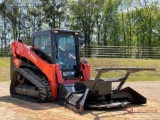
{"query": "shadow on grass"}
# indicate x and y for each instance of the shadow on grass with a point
(29, 105)
(97, 114)
(12, 102)
(111, 112)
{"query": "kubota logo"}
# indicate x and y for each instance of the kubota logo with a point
(32, 57)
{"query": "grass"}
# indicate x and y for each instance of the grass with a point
(139, 76)
(104, 62)
(4, 68)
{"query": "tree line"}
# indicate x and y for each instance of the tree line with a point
(100, 22)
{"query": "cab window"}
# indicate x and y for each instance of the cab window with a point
(43, 43)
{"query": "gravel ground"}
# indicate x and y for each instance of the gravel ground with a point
(16, 109)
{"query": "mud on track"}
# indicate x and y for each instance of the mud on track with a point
(16, 109)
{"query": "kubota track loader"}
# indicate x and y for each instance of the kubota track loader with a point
(50, 69)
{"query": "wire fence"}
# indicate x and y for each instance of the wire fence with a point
(120, 52)
(110, 52)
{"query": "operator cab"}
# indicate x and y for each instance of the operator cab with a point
(59, 47)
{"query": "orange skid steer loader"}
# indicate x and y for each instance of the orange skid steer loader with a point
(50, 69)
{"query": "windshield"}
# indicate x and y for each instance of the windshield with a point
(65, 51)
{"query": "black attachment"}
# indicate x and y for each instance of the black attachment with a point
(98, 93)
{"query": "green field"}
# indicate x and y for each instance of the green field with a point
(139, 76)
(4, 68)
(107, 62)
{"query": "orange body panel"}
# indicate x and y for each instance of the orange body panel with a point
(86, 72)
(52, 71)
(16, 62)
(20, 49)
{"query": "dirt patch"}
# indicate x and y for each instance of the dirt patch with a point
(16, 109)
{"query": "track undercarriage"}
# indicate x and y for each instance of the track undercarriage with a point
(29, 86)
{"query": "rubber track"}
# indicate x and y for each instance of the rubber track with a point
(43, 86)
